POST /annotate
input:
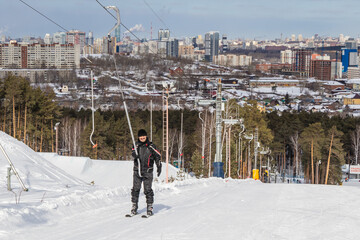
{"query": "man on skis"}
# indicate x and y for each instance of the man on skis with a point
(144, 160)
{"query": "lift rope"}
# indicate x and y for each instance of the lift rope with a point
(92, 109)
(92, 104)
(120, 86)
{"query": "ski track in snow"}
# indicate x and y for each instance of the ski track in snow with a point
(206, 209)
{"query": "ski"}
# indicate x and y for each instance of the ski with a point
(130, 215)
(146, 216)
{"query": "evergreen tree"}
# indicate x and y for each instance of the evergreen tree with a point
(312, 141)
(337, 157)
(196, 164)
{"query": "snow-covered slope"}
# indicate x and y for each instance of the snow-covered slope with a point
(60, 206)
(105, 173)
(36, 172)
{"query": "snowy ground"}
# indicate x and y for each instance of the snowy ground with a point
(61, 206)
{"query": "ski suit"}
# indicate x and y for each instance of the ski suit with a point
(147, 155)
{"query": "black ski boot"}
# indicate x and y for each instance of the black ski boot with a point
(149, 210)
(133, 211)
(134, 208)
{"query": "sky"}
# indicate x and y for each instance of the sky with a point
(250, 19)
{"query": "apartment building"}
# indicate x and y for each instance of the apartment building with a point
(61, 56)
(76, 37)
(233, 60)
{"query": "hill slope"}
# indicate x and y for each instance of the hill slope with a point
(60, 206)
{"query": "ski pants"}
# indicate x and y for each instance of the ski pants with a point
(147, 179)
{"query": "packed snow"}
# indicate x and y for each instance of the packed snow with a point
(62, 203)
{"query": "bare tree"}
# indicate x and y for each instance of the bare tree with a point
(296, 146)
(355, 142)
(172, 139)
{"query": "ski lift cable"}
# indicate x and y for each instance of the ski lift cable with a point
(120, 22)
(91, 77)
(125, 107)
(44, 16)
(156, 14)
(120, 86)
(48, 18)
(63, 28)
(150, 49)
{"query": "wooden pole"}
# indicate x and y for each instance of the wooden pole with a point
(167, 135)
(4, 126)
(260, 172)
(52, 136)
(317, 173)
(328, 163)
(18, 123)
(56, 139)
(312, 161)
(284, 163)
(14, 118)
(229, 152)
(96, 151)
(25, 123)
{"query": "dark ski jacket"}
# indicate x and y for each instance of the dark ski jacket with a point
(148, 154)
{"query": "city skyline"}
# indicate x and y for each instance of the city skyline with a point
(257, 19)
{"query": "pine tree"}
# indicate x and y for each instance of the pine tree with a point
(196, 164)
(312, 141)
(337, 156)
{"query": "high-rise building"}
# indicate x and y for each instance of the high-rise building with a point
(233, 60)
(301, 62)
(89, 39)
(118, 34)
(286, 57)
(336, 70)
(341, 38)
(349, 58)
(353, 73)
(199, 40)
(186, 50)
(59, 37)
(321, 69)
(351, 44)
(211, 45)
(48, 39)
(76, 37)
(172, 48)
(293, 38)
(300, 38)
(14, 55)
(163, 34)
(168, 48)
(162, 48)
(194, 42)
(224, 43)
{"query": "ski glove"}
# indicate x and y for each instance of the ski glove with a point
(158, 170)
